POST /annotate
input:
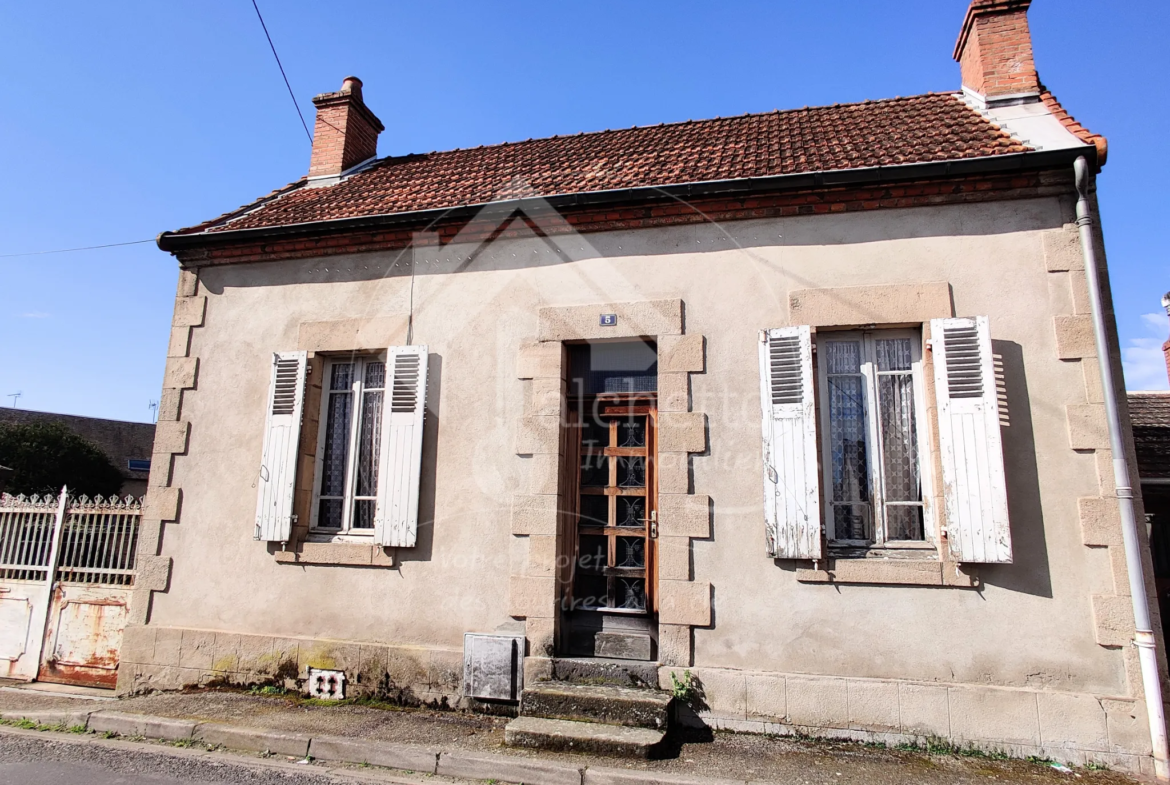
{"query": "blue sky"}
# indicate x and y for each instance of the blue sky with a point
(126, 119)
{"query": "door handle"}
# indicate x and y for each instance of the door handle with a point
(654, 524)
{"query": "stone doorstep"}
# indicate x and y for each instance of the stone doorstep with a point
(598, 670)
(572, 736)
(638, 708)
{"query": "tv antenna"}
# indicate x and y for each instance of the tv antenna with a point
(14, 396)
(153, 406)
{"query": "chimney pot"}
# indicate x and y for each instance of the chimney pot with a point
(346, 131)
(994, 50)
(1166, 346)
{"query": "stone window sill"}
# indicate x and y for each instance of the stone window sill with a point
(338, 553)
(893, 572)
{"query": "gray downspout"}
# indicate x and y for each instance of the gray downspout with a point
(1143, 637)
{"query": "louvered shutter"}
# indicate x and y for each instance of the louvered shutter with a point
(969, 439)
(282, 432)
(400, 461)
(792, 504)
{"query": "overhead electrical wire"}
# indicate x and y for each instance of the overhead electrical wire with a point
(71, 250)
(291, 94)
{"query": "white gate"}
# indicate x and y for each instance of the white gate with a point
(66, 572)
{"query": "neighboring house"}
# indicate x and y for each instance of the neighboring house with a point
(128, 445)
(1150, 413)
(518, 389)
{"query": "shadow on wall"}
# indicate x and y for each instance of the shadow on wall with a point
(1030, 571)
(702, 237)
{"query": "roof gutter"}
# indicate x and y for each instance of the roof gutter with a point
(998, 164)
(1143, 637)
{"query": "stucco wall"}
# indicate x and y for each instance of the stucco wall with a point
(1028, 625)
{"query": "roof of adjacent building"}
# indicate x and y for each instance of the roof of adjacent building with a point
(120, 440)
(919, 129)
(1150, 414)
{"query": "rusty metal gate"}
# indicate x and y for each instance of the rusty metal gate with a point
(66, 573)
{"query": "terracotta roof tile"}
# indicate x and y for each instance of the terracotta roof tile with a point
(1075, 128)
(918, 129)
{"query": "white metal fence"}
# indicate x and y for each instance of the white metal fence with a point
(89, 541)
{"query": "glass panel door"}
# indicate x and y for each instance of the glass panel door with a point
(615, 522)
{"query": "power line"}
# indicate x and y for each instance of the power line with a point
(291, 94)
(71, 250)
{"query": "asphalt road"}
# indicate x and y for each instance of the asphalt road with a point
(34, 759)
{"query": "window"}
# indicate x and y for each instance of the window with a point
(870, 391)
(346, 493)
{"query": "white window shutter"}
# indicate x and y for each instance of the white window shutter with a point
(282, 435)
(400, 461)
(792, 502)
(969, 440)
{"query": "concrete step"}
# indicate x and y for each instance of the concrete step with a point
(599, 670)
(569, 736)
(592, 703)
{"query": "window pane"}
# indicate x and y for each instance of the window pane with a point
(632, 433)
(329, 514)
(631, 552)
(844, 356)
(594, 470)
(851, 522)
(375, 376)
(342, 376)
(594, 435)
(632, 472)
(336, 443)
(893, 354)
(904, 522)
(631, 594)
(363, 513)
(590, 591)
(631, 511)
(593, 552)
(594, 511)
(368, 443)
(899, 445)
(847, 439)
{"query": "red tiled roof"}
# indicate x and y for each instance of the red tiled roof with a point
(918, 129)
(1150, 414)
(1074, 128)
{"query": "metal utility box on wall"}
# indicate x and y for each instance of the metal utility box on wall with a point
(493, 666)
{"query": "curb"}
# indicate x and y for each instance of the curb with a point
(507, 769)
(403, 757)
(249, 740)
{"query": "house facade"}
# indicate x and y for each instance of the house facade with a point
(127, 444)
(804, 403)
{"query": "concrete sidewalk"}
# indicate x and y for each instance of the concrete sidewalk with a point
(470, 746)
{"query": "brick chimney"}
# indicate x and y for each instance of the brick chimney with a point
(994, 51)
(1166, 346)
(346, 132)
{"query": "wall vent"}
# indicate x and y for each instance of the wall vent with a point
(325, 684)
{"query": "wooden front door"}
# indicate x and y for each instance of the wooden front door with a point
(616, 506)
